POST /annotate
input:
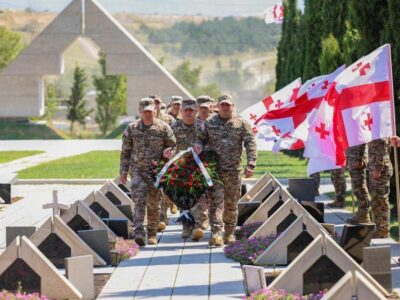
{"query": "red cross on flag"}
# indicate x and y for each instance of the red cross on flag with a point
(274, 14)
(362, 96)
(266, 135)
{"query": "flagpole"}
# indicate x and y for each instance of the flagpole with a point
(396, 160)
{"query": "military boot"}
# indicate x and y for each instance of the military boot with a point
(186, 231)
(216, 240)
(229, 238)
(197, 234)
(152, 239)
(161, 226)
(174, 209)
(336, 204)
(140, 239)
(362, 216)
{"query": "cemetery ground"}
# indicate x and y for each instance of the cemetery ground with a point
(175, 268)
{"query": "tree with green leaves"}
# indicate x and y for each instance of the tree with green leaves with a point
(331, 57)
(77, 111)
(110, 99)
(51, 102)
(10, 46)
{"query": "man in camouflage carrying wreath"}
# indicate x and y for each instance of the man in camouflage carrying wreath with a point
(226, 133)
(186, 132)
(144, 141)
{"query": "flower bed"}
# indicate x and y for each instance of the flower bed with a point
(271, 294)
(245, 231)
(246, 251)
(21, 296)
(126, 248)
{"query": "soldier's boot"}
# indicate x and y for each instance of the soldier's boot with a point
(152, 239)
(161, 226)
(229, 239)
(205, 224)
(197, 234)
(140, 239)
(216, 240)
(338, 203)
(362, 216)
(381, 234)
(174, 209)
(186, 231)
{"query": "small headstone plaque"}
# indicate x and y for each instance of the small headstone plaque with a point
(316, 209)
(303, 189)
(118, 226)
(377, 262)
(98, 241)
(355, 238)
(12, 232)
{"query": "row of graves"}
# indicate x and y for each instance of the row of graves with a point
(59, 258)
(306, 256)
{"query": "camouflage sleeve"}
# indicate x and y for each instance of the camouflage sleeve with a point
(250, 145)
(170, 140)
(378, 152)
(126, 152)
(200, 128)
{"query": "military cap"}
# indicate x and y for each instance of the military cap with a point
(156, 97)
(189, 103)
(176, 99)
(147, 104)
(225, 99)
(163, 106)
(204, 101)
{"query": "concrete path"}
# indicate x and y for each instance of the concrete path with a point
(54, 149)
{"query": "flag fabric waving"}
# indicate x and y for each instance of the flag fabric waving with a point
(274, 14)
(267, 135)
(362, 97)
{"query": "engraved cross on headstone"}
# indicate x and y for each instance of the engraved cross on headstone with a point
(55, 205)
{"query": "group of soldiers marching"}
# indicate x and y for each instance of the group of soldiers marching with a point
(205, 126)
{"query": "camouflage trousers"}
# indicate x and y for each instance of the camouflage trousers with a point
(317, 181)
(145, 196)
(358, 176)
(200, 211)
(379, 191)
(224, 202)
(165, 204)
(339, 182)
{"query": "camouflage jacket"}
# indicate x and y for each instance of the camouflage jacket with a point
(379, 155)
(166, 118)
(187, 135)
(177, 117)
(227, 138)
(142, 144)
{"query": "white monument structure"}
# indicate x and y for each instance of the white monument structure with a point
(22, 88)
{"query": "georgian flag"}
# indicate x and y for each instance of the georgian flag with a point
(274, 14)
(290, 120)
(267, 135)
(362, 96)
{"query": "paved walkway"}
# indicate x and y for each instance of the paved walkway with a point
(54, 149)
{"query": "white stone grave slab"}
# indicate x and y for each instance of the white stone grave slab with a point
(57, 226)
(353, 286)
(82, 209)
(79, 271)
(113, 188)
(253, 278)
(291, 279)
(106, 204)
(53, 285)
(261, 183)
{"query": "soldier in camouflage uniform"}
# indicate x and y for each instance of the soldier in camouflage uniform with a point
(175, 109)
(187, 132)
(204, 104)
(357, 160)
(165, 201)
(226, 133)
(145, 141)
(380, 171)
(317, 181)
(338, 179)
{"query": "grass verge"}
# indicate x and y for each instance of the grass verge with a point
(7, 156)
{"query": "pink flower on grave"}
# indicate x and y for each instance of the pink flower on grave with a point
(126, 248)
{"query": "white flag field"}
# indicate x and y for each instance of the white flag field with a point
(329, 113)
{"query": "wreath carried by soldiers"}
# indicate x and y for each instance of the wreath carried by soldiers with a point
(185, 178)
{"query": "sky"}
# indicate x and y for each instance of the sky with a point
(220, 8)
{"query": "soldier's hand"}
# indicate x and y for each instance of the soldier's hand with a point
(395, 141)
(376, 174)
(123, 179)
(248, 172)
(197, 149)
(167, 153)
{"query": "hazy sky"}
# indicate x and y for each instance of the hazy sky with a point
(179, 7)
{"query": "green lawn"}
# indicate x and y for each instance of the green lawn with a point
(91, 165)
(27, 131)
(7, 156)
(394, 225)
(105, 164)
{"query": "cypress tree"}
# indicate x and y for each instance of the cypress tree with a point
(331, 56)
